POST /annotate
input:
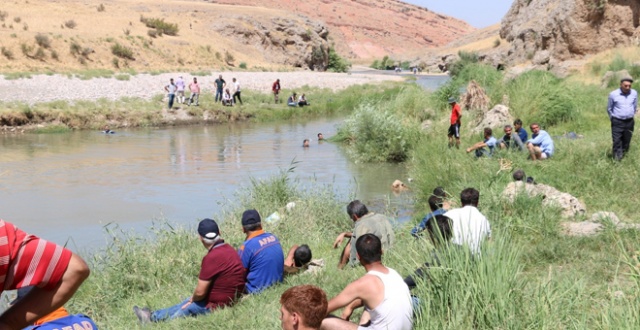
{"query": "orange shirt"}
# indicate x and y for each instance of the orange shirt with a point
(58, 313)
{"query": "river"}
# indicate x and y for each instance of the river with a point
(66, 187)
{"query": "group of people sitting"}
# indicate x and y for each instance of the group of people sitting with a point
(539, 147)
(294, 101)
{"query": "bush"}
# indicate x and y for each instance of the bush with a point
(7, 53)
(466, 58)
(54, 55)
(43, 40)
(115, 62)
(218, 56)
(337, 63)
(377, 135)
(40, 54)
(160, 25)
(228, 57)
(26, 49)
(75, 48)
(243, 65)
(152, 33)
(3, 15)
(101, 8)
(70, 24)
(17, 19)
(122, 51)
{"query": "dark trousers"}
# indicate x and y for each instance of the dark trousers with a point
(621, 133)
(237, 94)
(218, 95)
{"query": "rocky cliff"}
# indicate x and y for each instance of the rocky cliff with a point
(372, 28)
(551, 31)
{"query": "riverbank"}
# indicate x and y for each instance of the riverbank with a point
(57, 103)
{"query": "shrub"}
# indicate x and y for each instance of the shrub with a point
(115, 62)
(243, 65)
(218, 56)
(70, 24)
(228, 57)
(101, 8)
(466, 58)
(7, 53)
(75, 48)
(160, 25)
(25, 27)
(17, 19)
(26, 49)
(122, 51)
(558, 106)
(40, 54)
(377, 135)
(126, 32)
(496, 43)
(152, 33)
(3, 15)
(54, 55)
(337, 63)
(43, 40)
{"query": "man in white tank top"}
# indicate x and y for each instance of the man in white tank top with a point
(381, 291)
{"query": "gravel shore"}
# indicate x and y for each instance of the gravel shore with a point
(45, 88)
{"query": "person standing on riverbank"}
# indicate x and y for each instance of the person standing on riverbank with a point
(622, 107)
(194, 88)
(454, 129)
(275, 88)
(26, 260)
(220, 85)
(261, 254)
(171, 90)
(236, 93)
(180, 89)
(220, 282)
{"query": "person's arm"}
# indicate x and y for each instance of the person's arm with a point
(537, 140)
(341, 237)
(289, 260)
(421, 226)
(476, 146)
(635, 104)
(348, 310)
(166, 88)
(353, 291)
(200, 293)
(40, 302)
(610, 106)
(517, 140)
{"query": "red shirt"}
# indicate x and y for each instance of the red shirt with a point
(27, 260)
(275, 87)
(223, 267)
(455, 114)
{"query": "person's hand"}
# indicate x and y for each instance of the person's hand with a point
(289, 262)
(338, 241)
(468, 149)
(187, 303)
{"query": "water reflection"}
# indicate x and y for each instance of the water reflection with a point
(63, 186)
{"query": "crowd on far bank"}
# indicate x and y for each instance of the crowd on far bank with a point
(228, 95)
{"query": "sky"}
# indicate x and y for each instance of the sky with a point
(479, 13)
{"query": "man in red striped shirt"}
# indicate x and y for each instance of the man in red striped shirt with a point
(26, 260)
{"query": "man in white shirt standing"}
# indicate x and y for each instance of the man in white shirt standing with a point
(236, 93)
(469, 227)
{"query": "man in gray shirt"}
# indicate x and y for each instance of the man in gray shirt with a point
(510, 141)
(622, 106)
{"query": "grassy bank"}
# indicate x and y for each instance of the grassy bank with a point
(136, 112)
(530, 276)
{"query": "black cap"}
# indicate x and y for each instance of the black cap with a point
(208, 228)
(250, 217)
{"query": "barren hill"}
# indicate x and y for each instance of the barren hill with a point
(373, 28)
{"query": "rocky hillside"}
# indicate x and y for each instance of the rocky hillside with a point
(365, 29)
(551, 31)
(148, 35)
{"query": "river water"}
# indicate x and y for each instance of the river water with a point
(66, 187)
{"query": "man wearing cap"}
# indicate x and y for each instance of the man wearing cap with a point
(622, 107)
(454, 129)
(261, 254)
(220, 282)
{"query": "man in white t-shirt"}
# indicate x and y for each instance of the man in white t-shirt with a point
(468, 226)
(381, 291)
(180, 89)
(236, 93)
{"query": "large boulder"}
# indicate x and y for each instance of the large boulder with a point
(496, 117)
(566, 29)
(570, 205)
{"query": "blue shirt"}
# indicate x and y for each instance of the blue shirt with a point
(622, 106)
(522, 133)
(423, 224)
(262, 256)
(77, 321)
(544, 141)
(491, 143)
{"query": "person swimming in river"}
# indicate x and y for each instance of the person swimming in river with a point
(305, 143)
(108, 131)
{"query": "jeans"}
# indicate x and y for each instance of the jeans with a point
(237, 94)
(171, 98)
(176, 311)
(218, 95)
(621, 134)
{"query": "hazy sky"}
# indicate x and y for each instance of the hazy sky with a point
(479, 13)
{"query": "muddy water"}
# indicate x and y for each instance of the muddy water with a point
(66, 187)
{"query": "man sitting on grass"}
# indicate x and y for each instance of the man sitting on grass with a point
(489, 142)
(261, 254)
(468, 226)
(540, 145)
(510, 140)
(381, 291)
(365, 222)
(220, 282)
(435, 203)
